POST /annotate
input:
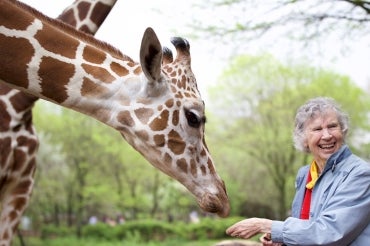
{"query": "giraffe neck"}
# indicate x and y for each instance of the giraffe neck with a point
(89, 71)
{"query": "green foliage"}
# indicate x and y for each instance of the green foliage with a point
(51, 231)
(145, 231)
(141, 231)
(100, 231)
(259, 96)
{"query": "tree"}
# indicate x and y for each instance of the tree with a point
(259, 96)
(48, 197)
(299, 19)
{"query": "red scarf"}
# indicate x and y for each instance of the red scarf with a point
(305, 212)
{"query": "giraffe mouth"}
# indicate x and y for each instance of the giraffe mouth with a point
(218, 204)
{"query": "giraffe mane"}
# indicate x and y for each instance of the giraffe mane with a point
(113, 51)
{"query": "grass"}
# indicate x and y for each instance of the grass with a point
(72, 241)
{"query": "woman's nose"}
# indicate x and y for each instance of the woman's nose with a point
(326, 133)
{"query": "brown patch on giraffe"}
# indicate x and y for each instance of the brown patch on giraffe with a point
(18, 205)
(82, 10)
(29, 127)
(30, 143)
(179, 95)
(161, 122)
(203, 152)
(159, 140)
(68, 17)
(175, 117)
(14, 65)
(143, 114)
(102, 113)
(22, 141)
(91, 54)
(99, 13)
(5, 119)
(160, 107)
(6, 235)
(92, 90)
(143, 100)
(204, 171)
(56, 42)
(167, 159)
(5, 150)
(193, 168)
(22, 188)
(175, 143)
(22, 101)
(118, 69)
(138, 70)
(169, 103)
(181, 163)
(30, 168)
(53, 84)
(125, 118)
(143, 135)
(211, 168)
(99, 73)
(19, 160)
(182, 83)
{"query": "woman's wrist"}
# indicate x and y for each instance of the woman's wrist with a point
(265, 225)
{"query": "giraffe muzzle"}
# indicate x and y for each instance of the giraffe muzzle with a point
(218, 204)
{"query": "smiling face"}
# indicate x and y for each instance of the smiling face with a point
(324, 136)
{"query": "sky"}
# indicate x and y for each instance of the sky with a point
(127, 21)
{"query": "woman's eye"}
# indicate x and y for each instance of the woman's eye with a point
(333, 126)
(193, 119)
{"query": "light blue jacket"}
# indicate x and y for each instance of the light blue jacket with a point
(340, 205)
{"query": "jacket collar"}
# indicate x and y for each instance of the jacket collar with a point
(337, 157)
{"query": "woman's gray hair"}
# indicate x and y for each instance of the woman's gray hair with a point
(311, 109)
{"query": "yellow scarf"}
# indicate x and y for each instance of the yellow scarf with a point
(314, 175)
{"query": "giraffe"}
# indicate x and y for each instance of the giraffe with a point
(154, 103)
(18, 140)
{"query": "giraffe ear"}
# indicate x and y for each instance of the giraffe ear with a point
(151, 55)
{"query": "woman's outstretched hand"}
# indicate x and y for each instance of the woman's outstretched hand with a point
(249, 227)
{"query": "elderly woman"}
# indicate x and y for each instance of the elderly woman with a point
(332, 201)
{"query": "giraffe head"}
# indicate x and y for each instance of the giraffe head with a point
(168, 115)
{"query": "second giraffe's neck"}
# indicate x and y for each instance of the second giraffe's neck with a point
(59, 64)
(87, 16)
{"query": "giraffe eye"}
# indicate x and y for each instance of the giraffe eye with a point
(193, 119)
